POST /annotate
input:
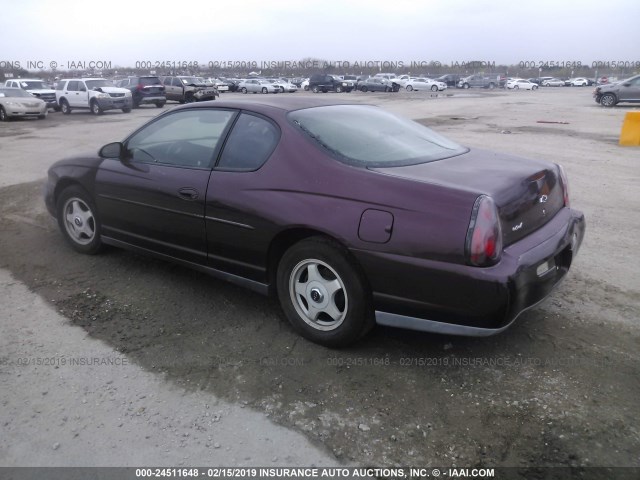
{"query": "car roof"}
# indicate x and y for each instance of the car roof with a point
(26, 79)
(265, 103)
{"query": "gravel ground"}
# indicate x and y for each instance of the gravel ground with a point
(560, 388)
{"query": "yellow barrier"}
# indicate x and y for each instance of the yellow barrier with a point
(630, 134)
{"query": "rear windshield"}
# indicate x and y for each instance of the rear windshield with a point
(371, 137)
(145, 81)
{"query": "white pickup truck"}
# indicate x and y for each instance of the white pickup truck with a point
(37, 88)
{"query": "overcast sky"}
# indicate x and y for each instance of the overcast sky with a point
(126, 31)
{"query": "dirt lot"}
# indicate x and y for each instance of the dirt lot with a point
(560, 388)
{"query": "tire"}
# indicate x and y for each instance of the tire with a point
(126, 110)
(387, 89)
(95, 108)
(323, 294)
(315, 89)
(434, 88)
(78, 220)
(243, 90)
(281, 89)
(64, 107)
(3, 115)
(608, 100)
(338, 89)
(535, 87)
(160, 104)
(465, 86)
(306, 88)
(363, 88)
(516, 87)
(264, 90)
(409, 88)
(492, 86)
(189, 99)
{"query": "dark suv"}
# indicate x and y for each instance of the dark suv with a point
(145, 90)
(324, 83)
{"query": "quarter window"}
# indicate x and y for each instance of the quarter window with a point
(250, 144)
(188, 138)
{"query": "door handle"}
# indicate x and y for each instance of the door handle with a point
(188, 193)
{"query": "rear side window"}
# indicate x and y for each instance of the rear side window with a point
(73, 86)
(249, 145)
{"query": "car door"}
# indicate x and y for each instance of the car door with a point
(630, 90)
(154, 197)
(238, 230)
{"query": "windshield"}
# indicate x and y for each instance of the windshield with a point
(369, 136)
(33, 85)
(190, 80)
(91, 84)
(14, 92)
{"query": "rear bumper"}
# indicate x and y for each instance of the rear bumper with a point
(463, 300)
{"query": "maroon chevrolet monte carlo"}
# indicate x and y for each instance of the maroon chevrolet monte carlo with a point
(350, 215)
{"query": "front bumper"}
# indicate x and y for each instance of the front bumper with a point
(15, 111)
(464, 300)
(112, 103)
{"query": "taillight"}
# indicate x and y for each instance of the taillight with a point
(565, 185)
(483, 245)
(139, 87)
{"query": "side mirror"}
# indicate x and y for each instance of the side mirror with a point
(112, 150)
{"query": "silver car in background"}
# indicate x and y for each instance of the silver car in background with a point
(258, 85)
(16, 102)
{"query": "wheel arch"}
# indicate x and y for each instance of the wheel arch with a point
(287, 238)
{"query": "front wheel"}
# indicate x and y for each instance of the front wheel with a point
(465, 86)
(338, 89)
(322, 293)
(160, 104)
(264, 90)
(95, 108)
(608, 100)
(78, 220)
(409, 88)
(363, 89)
(3, 115)
(434, 88)
(516, 87)
(535, 87)
(64, 107)
(243, 90)
(126, 110)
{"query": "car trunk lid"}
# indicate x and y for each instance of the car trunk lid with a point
(528, 193)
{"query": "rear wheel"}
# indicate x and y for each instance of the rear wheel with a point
(516, 87)
(264, 90)
(243, 90)
(535, 87)
(338, 89)
(64, 107)
(363, 88)
(3, 115)
(315, 89)
(434, 88)
(160, 104)
(492, 86)
(323, 294)
(78, 220)
(409, 88)
(465, 86)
